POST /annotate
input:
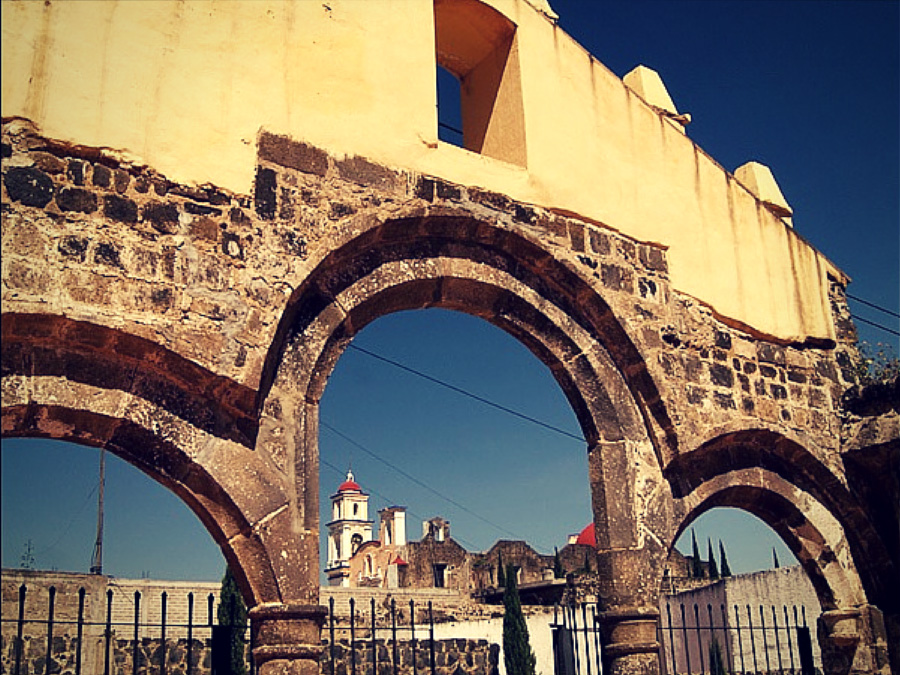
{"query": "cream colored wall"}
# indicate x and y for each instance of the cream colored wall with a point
(185, 87)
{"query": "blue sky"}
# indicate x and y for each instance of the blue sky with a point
(809, 88)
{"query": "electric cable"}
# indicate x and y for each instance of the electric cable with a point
(469, 394)
(419, 482)
(876, 325)
(874, 306)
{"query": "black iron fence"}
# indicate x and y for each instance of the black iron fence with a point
(55, 643)
(764, 639)
(66, 634)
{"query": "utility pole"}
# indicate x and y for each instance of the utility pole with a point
(97, 557)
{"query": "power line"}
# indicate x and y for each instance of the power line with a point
(469, 394)
(876, 325)
(874, 306)
(418, 482)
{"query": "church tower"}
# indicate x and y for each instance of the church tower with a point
(349, 529)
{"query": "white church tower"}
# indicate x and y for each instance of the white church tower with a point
(349, 529)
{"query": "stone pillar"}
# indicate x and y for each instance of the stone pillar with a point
(853, 640)
(628, 641)
(287, 638)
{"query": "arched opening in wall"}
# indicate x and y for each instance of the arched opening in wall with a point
(49, 516)
(469, 475)
(478, 46)
(733, 590)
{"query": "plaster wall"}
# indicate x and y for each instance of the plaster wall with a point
(186, 87)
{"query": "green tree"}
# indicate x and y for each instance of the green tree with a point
(775, 558)
(233, 612)
(696, 565)
(876, 364)
(713, 568)
(716, 662)
(723, 559)
(518, 656)
(501, 574)
(558, 571)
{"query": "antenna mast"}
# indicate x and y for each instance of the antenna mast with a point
(97, 557)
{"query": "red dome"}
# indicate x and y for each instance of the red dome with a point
(588, 537)
(349, 485)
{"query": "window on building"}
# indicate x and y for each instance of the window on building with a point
(477, 47)
(355, 542)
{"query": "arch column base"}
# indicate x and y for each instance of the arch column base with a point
(854, 640)
(287, 638)
(628, 641)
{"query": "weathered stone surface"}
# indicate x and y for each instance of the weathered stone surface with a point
(200, 302)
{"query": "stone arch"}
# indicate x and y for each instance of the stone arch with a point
(803, 483)
(810, 531)
(178, 423)
(454, 261)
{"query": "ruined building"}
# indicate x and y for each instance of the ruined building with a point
(205, 202)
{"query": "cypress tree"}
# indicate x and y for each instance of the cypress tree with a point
(233, 612)
(501, 574)
(723, 559)
(713, 568)
(558, 572)
(716, 662)
(587, 562)
(518, 656)
(696, 566)
(775, 558)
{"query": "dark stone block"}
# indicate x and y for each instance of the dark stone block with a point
(576, 236)
(720, 355)
(748, 406)
(292, 154)
(424, 189)
(29, 186)
(102, 176)
(493, 200)
(767, 371)
(647, 288)
(163, 217)
(653, 258)
(778, 392)
(445, 190)
(771, 353)
(5, 150)
(76, 171)
(120, 209)
(612, 276)
(796, 376)
(362, 171)
(76, 199)
(723, 340)
(107, 254)
(627, 249)
(142, 184)
(121, 179)
(749, 367)
(599, 242)
(48, 162)
(524, 214)
(265, 195)
(201, 210)
(721, 375)
(693, 368)
(73, 247)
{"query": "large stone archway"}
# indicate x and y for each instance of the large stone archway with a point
(193, 331)
(454, 261)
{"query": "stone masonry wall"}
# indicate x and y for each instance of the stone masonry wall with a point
(207, 274)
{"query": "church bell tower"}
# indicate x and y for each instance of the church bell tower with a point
(349, 529)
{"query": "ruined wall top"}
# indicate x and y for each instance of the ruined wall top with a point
(187, 87)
